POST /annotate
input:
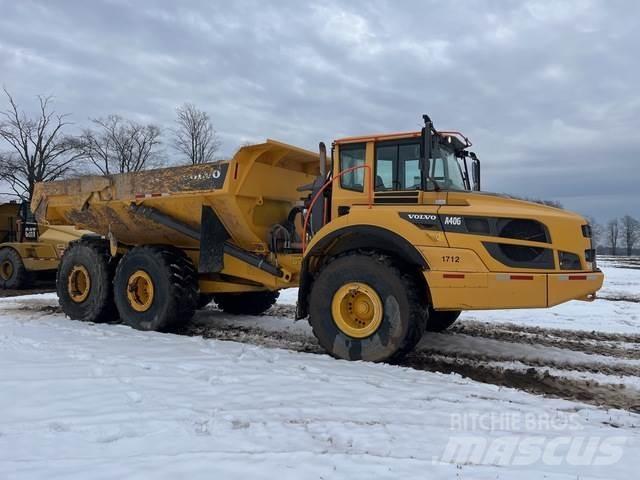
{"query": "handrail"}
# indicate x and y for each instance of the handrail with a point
(319, 192)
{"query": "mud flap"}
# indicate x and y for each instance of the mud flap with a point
(213, 236)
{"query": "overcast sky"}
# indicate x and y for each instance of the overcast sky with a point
(549, 92)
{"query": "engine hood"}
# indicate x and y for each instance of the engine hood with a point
(473, 218)
(503, 205)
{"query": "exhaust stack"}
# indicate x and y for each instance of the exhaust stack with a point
(323, 160)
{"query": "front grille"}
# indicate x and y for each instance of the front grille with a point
(521, 256)
(522, 229)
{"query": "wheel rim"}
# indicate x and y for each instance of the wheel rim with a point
(6, 270)
(357, 310)
(79, 284)
(140, 291)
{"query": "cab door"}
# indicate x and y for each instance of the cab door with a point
(352, 177)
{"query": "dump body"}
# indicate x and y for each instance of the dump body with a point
(250, 193)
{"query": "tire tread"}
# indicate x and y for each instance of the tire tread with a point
(183, 282)
(22, 278)
(104, 310)
(418, 307)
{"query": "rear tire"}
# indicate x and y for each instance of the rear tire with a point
(399, 309)
(246, 303)
(13, 274)
(155, 288)
(83, 281)
(440, 321)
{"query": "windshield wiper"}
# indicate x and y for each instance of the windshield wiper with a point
(436, 185)
(425, 171)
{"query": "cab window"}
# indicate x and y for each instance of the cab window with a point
(386, 167)
(398, 166)
(446, 170)
(352, 156)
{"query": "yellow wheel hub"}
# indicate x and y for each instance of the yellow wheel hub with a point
(6, 270)
(140, 291)
(79, 283)
(357, 310)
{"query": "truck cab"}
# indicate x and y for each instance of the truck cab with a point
(415, 198)
(388, 169)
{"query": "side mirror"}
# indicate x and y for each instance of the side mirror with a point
(475, 172)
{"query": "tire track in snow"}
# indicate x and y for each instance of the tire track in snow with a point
(621, 298)
(533, 380)
(615, 345)
(537, 359)
(533, 375)
(469, 349)
(625, 346)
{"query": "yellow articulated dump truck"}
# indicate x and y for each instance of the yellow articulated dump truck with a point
(29, 251)
(387, 237)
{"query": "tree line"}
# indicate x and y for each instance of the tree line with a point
(37, 147)
(620, 236)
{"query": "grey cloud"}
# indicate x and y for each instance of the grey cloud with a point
(546, 90)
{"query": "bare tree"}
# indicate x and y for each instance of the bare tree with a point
(194, 136)
(116, 145)
(612, 235)
(630, 232)
(38, 150)
(597, 231)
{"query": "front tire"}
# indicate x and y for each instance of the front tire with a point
(83, 282)
(246, 303)
(362, 307)
(155, 288)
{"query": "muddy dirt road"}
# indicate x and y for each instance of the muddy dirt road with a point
(39, 287)
(598, 368)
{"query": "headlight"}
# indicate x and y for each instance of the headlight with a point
(569, 261)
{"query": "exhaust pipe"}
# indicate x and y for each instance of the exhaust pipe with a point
(427, 136)
(323, 160)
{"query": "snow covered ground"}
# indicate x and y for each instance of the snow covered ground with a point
(105, 401)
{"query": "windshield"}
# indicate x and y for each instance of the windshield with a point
(446, 171)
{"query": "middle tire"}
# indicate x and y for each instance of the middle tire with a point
(362, 307)
(155, 288)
